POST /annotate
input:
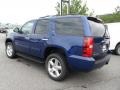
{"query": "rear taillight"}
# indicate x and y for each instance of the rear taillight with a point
(88, 46)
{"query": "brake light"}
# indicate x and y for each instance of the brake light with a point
(88, 46)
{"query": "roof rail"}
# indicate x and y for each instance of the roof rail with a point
(47, 16)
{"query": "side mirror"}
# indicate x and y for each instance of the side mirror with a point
(17, 30)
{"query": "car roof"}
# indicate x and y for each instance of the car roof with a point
(55, 16)
(66, 16)
(95, 19)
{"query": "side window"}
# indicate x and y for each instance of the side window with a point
(69, 26)
(27, 28)
(42, 27)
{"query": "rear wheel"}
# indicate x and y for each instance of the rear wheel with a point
(117, 50)
(10, 50)
(56, 67)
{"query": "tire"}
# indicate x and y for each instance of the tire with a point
(56, 67)
(10, 51)
(117, 50)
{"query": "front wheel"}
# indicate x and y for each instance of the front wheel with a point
(56, 67)
(10, 50)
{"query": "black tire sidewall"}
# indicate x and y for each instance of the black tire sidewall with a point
(13, 53)
(116, 50)
(63, 64)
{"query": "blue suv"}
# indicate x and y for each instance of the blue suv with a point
(63, 43)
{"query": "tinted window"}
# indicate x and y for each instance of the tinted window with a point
(42, 27)
(27, 28)
(98, 29)
(69, 26)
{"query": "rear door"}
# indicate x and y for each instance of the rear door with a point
(39, 38)
(101, 39)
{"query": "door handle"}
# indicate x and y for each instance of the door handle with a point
(27, 37)
(45, 39)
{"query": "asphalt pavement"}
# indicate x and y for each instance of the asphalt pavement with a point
(23, 74)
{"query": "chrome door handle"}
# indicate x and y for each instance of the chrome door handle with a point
(45, 39)
(27, 37)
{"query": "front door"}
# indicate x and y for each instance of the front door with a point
(22, 42)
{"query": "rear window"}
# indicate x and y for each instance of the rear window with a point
(69, 26)
(98, 29)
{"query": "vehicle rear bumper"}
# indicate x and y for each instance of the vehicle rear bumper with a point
(79, 63)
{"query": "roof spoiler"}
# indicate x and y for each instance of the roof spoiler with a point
(95, 19)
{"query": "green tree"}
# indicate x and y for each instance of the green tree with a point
(77, 7)
(117, 10)
(111, 18)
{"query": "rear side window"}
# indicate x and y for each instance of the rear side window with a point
(98, 29)
(42, 27)
(69, 26)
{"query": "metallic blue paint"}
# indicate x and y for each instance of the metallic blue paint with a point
(72, 45)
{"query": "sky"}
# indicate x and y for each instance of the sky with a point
(103, 6)
(20, 11)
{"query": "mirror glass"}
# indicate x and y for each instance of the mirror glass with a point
(17, 30)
